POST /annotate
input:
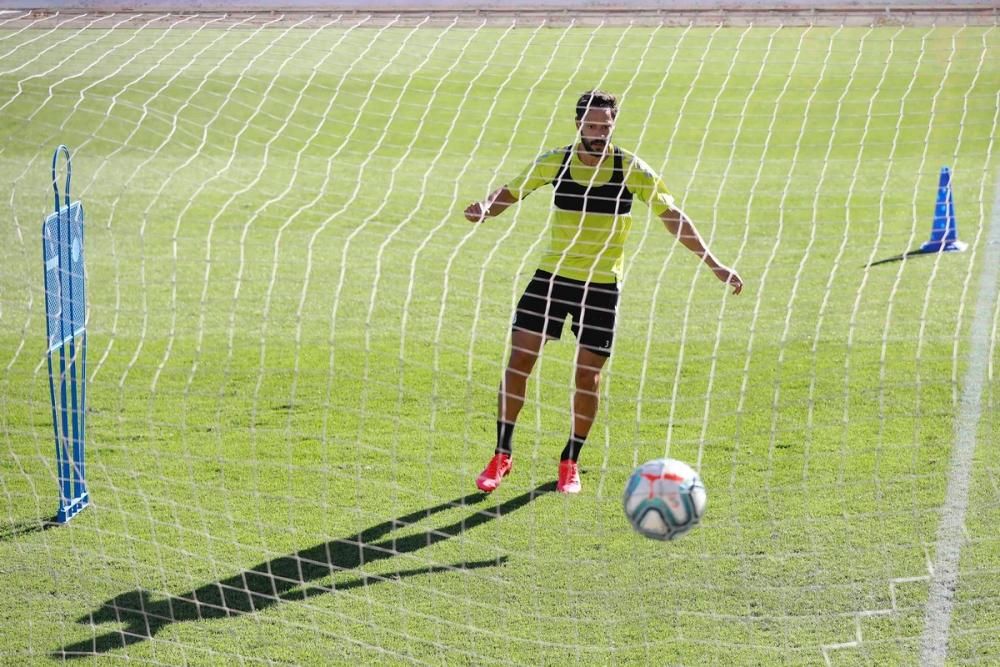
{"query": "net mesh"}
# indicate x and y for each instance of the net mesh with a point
(296, 339)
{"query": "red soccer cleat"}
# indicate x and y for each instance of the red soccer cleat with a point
(569, 477)
(498, 468)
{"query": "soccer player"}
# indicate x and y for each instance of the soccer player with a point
(595, 183)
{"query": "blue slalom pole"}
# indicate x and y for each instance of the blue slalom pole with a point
(944, 229)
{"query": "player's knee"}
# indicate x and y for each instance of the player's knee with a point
(587, 379)
(521, 361)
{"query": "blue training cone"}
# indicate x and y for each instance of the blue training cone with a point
(944, 231)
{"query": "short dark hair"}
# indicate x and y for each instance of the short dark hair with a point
(596, 99)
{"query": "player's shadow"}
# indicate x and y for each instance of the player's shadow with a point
(291, 577)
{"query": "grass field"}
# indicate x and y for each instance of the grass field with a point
(295, 342)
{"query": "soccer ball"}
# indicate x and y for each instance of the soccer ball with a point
(664, 498)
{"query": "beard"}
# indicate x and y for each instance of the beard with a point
(595, 147)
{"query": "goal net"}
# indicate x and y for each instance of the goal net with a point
(296, 339)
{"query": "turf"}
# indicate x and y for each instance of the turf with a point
(295, 341)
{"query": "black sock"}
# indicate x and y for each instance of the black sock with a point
(572, 449)
(505, 431)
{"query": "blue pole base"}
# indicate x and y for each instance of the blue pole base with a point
(67, 512)
(943, 246)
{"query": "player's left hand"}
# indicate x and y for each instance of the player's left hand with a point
(730, 277)
(476, 212)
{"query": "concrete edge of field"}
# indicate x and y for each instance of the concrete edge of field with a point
(17, 13)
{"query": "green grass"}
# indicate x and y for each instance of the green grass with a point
(295, 339)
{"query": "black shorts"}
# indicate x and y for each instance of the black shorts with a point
(548, 299)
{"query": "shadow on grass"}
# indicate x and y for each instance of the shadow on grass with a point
(288, 577)
(20, 528)
(910, 254)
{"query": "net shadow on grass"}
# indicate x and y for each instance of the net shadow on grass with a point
(288, 578)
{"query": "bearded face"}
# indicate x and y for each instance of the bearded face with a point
(595, 130)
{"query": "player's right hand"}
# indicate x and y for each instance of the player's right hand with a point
(474, 212)
(729, 277)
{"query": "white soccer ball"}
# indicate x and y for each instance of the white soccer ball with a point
(664, 498)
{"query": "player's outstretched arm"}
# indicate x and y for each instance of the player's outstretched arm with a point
(494, 205)
(678, 224)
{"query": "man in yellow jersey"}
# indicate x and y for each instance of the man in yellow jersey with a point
(595, 183)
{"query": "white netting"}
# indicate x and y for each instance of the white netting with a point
(296, 341)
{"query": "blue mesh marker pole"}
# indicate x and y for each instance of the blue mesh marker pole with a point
(66, 313)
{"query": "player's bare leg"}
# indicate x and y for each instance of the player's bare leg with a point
(585, 400)
(525, 347)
